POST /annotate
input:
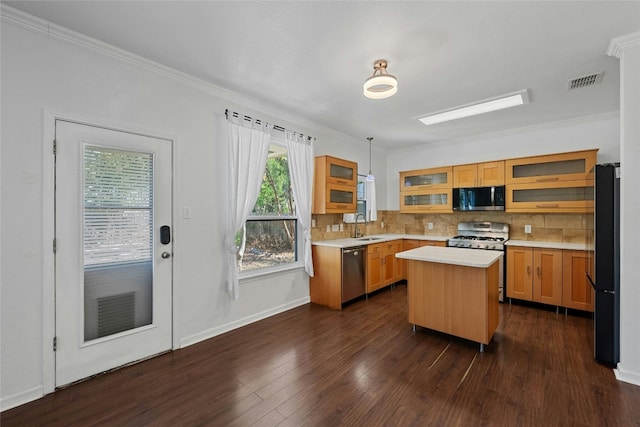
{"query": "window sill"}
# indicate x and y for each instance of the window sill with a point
(265, 273)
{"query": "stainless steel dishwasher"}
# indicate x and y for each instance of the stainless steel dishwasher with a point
(353, 284)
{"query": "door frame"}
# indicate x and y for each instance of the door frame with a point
(48, 230)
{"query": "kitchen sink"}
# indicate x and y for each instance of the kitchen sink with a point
(368, 239)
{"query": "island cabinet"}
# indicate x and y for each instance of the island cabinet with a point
(486, 174)
(451, 290)
(382, 266)
(416, 243)
(535, 274)
(552, 183)
(577, 292)
(334, 185)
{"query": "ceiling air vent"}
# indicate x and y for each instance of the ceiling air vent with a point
(585, 80)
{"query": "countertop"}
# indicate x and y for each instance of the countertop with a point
(377, 238)
(549, 245)
(455, 256)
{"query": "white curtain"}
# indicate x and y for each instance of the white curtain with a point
(370, 197)
(248, 147)
(301, 171)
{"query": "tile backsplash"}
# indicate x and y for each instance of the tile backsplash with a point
(567, 228)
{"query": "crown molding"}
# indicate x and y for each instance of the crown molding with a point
(50, 30)
(618, 45)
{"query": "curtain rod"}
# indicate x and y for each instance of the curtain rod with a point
(276, 127)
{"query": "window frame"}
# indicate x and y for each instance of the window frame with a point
(298, 263)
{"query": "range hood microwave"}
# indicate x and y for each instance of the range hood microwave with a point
(479, 199)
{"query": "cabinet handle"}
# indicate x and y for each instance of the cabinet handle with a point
(339, 181)
(551, 179)
(528, 270)
(538, 271)
(341, 206)
(547, 205)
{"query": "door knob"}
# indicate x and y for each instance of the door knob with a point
(166, 255)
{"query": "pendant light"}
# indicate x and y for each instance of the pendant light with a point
(370, 177)
(381, 84)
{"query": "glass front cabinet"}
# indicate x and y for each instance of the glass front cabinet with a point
(552, 183)
(426, 190)
(335, 185)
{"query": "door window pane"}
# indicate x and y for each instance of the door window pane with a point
(117, 240)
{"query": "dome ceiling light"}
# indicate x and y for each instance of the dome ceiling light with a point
(381, 84)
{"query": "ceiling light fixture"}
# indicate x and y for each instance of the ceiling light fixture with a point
(493, 104)
(381, 84)
(370, 177)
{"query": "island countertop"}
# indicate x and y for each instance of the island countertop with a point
(454, 256)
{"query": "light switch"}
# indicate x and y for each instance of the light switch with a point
(186, 212)
(527, 229)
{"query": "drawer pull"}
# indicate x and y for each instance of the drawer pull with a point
(551, 179)
(547, 205)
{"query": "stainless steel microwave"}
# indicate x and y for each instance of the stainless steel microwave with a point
(479, 199)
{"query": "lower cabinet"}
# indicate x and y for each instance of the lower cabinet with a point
(549, 276)
(383, 268)
(577, 292)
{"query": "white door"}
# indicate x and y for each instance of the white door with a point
(113, 263)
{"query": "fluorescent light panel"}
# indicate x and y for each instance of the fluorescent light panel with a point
(505, 101)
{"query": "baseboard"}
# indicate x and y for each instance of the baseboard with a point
(219, 330)
(21, 398)
(626, 376)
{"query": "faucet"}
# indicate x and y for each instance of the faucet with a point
(356, 232)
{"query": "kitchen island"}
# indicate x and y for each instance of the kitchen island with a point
(454, 290)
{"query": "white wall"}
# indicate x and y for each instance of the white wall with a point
(628, 50)
(601, 132)
(40, 73)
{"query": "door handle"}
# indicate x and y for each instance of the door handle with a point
(165, 255)
(165, 235)
(528, 270)
(538, 271)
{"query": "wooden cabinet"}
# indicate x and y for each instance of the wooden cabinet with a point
(426, 179)
(572, 166)
(535, 274)
(325, 285)
(551, 183)
(577, 292)
(412, 244)
(426, 190)
(486, 174)
(383, 268)
(335, 185)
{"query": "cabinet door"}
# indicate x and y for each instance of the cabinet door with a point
(576, 290)
(437, 201)
(562, 196)
(341, 171)
(390, 267)
(519, 273)
(374, 268)
(550, 168)
(547, 279)
(340, 198)
(491, 173)
(426, 179)
(465, 176)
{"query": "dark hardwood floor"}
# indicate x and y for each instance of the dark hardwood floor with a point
(360, 367)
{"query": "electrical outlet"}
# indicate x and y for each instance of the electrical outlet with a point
(186, 212)
(381, 224)
(430, 226)
(527, 229)
(335, 227)
(313, 223)
(328, 228)
(341, 227)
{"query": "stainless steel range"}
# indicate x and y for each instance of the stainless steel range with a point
(483, 235)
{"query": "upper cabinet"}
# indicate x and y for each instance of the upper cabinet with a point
(552, 183)
(486, 174)
(426, 190)
(335, 185)
(551, 168)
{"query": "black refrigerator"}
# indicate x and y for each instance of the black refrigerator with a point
(605, 278)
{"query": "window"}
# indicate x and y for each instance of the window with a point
(271, 230)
